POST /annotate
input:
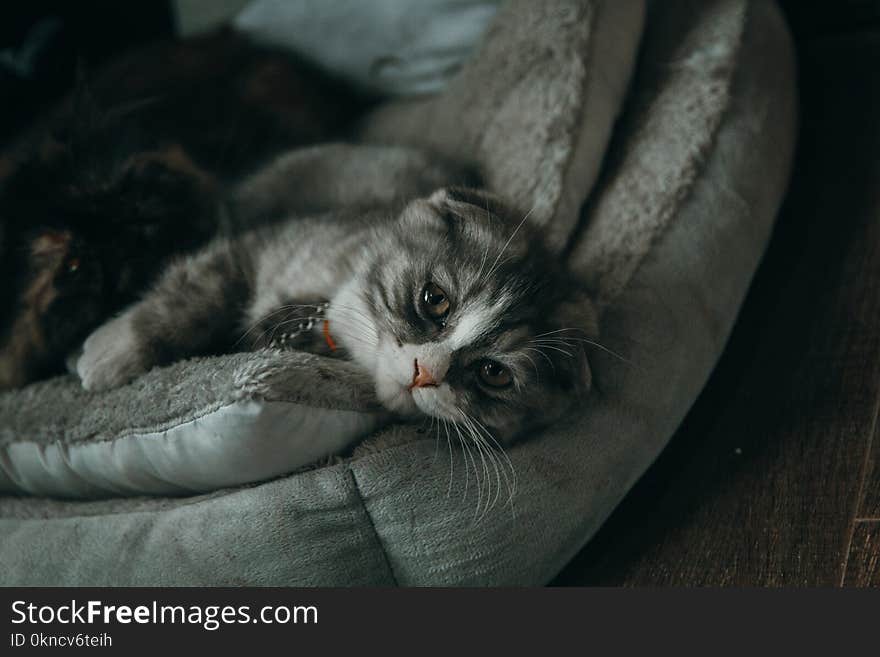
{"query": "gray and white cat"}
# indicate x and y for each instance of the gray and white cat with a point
(452, 304)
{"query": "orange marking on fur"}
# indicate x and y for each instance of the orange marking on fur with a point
(326, 332)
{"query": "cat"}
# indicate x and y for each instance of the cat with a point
(452, 304)
(80, 234)
(132, 168)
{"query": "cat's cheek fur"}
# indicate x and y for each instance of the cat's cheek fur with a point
(392, 395)
(353, 326)
(392, 377)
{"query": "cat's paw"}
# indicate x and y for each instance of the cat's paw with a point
(111, 355)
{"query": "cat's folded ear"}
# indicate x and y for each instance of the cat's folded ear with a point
(450, 208)
(481, 198)
(472, 202)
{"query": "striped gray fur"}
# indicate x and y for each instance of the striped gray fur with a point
(507, 354)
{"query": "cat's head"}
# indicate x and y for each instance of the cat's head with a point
(463, 315)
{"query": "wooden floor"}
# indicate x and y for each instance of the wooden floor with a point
(774, 478)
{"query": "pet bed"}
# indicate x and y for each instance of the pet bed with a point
(674, 225)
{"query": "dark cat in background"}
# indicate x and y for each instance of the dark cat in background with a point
(131, 169)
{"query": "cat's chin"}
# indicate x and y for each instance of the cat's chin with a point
(397, 399)
(407, 403)
(435, 402)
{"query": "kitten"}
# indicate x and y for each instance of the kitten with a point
(452, 305)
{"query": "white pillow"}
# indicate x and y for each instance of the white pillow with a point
(195, 426)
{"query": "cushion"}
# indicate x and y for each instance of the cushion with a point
(382, 46)
(668, 240)
(196, 426)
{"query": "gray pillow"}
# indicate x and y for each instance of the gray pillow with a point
(382, 46)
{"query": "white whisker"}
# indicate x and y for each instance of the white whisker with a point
(451, 458)
(484, 448)
(512, 481)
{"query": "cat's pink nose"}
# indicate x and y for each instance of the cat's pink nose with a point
(422, 378)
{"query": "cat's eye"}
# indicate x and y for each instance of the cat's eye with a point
(494, 374)
(435, 302)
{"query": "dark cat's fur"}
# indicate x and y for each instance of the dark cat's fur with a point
(452, 305)
(131, 170)
(82, 233)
